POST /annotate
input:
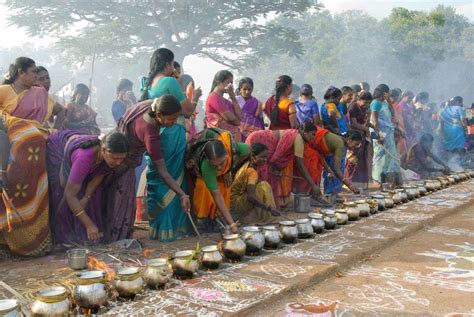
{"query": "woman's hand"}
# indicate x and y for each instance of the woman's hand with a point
(353, 189)
(185, 203)
(84, 202)
(229, 89)
(93, 233)
(234, 227)
(197, 93)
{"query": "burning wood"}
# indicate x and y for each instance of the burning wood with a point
(95, 264)
(146, 253)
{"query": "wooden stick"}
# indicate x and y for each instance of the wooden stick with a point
(10, 204)
(194, 226)
(20, 297)
(117, 259)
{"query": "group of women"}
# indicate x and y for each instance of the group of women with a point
(64, 185)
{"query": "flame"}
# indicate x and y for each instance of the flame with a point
(95, 264)
(146, 253)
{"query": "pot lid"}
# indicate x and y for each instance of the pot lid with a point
(7, 305)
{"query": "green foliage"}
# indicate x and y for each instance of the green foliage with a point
(220, 30)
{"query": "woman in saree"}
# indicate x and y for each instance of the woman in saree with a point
(332, 111)
(280, 108)
(125, 99)
(141, 124)
(162, 81)
(284, 148)
(220, 112)
(358, 162)
(252, 200)
(79, 115)
(77, 165)
(251, 108)
(386, 162)
(453, 126)
(59, 112)
(213, 156)
(24, 109)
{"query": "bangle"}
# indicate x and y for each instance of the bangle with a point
(79, 213)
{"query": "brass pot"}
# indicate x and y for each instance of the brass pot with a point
(305, 230)
(184, 265)
(317, 222)
(403, 194)
(90, 291)
(288, 230)
(157, 273)
(9, 308)
(52, 301)
(380, 201)
(272, 237)
(128, 282)
(233, 247)
(210, 257)
(352, 210)
(342, 217)
(374, 205)
(364, 208)
(330, 219)
(254, 239)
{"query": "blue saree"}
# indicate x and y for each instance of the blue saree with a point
(453, 131)
(168, 221)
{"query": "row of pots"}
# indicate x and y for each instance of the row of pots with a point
(91, 290)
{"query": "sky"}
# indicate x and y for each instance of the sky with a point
(204, 69)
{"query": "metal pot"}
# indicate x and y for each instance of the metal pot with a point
(342, 216)
(411, 192)
(396, 196)
(430, 185)
(380, 201)
(451, 180)
(157, 273)
(233, 247)
(317, 222)
(456, 177)
(254, 240)
(444, 181)
(471, 173)
(184, 265)
(422, 189)
(9, 308)
(364, 208)
(302, 203)
(210, 257)
(330, 219)
(352, 210)
(128, 282)
(52, 301)
(403, 194)
(374, 205)
(90, 291)
(77, 258)
(305, 230)
(288, 231)
(272, 237)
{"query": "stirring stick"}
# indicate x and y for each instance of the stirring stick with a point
(117, 259)
(20, 297)
(194, 226)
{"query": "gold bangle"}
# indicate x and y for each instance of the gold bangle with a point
(79, 213)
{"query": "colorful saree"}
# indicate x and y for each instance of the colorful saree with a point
(280, 160)
(453, 131)
(26, 233)
(203, 202)
(64, 153)
(247, 212)
(282, 122)
(386, 159)
(82, 118)
(168, 221)
(216, 105)
(250, 122)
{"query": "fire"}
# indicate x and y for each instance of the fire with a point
(95, 264)
(146, 253)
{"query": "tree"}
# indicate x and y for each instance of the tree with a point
(233, 33)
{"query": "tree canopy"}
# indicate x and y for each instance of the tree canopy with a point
(219, 30)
